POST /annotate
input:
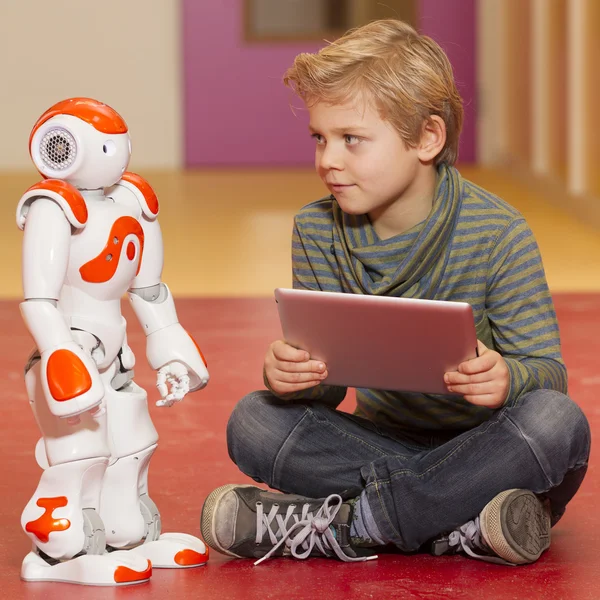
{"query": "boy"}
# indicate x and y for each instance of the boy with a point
(487, 474)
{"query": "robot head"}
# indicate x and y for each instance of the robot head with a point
(81, 141)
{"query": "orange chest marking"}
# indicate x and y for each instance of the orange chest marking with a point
(102, 268)
(46, 524)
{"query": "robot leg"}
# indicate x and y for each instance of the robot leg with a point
(132, 519)
(62, 519)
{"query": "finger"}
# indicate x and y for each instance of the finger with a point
(478, 365)
(174, 397)
(285, 377)
(164, 402)
(173, 393)
(178, 390)
(456, 378)
(311, 366)
(473, 389)
(285, 352)
(184, 384)
(162, 388)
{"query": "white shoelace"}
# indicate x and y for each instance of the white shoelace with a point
(306, 531)
(469, 538)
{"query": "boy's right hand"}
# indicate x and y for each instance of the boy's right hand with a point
(289, 369)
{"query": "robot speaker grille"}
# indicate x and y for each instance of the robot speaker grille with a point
(58, 149)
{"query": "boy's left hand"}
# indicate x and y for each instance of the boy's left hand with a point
(483, 380)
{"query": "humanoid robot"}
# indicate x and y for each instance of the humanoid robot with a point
(90, 235)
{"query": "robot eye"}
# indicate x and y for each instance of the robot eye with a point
(58, 149)
(109, 148)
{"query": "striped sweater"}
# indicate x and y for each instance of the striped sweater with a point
(474, 248)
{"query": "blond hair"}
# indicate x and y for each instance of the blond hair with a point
(407, 74)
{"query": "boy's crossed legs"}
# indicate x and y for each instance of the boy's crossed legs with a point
(397, 490)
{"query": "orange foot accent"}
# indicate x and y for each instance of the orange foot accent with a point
(127, 575)
(46, 524)
(188, 557)
(67, 375)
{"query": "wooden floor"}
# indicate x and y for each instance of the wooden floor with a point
(227, 233)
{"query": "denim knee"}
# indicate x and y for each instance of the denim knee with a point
(257, 429)
(556, 430)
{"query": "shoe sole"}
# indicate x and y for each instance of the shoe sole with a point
(516, 526)
(207, 522)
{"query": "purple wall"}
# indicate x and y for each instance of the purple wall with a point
(451, 23)
(237, 110)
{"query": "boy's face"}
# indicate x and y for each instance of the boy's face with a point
(360, 157)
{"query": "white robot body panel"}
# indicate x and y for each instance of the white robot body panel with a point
(120, 510)
(103, 319)
(106, 255)
(130, 428)
(43, 271)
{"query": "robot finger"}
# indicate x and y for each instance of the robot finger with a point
(165, 402)
(161, 385)
(184, 385)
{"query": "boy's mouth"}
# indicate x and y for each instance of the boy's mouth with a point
(338, 187)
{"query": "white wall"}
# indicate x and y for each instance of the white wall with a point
(126, 53)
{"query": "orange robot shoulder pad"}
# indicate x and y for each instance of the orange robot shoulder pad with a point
(64, 194)
(143, 192)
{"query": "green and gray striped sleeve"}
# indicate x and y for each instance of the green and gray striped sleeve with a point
(521, 313)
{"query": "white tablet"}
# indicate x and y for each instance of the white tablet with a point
(379, 342)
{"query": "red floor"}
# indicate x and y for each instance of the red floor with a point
(192, 460)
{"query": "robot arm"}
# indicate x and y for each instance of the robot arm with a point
(169, 348)
(71, 382)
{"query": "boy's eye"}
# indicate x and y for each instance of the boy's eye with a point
(318, 137)
(351, 139)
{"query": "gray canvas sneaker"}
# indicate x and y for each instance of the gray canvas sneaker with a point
(512, 529)
(248, 522)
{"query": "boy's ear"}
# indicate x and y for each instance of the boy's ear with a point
(433, 138)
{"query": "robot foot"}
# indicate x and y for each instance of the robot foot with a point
(174, 551)
(116, 568)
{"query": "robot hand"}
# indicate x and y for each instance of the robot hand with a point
(176, 375)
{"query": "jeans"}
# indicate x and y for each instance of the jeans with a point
(421, 486)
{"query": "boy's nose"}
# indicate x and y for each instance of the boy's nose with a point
(330, 159)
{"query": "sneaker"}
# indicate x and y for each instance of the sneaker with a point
(248, 522)
(512, 529)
